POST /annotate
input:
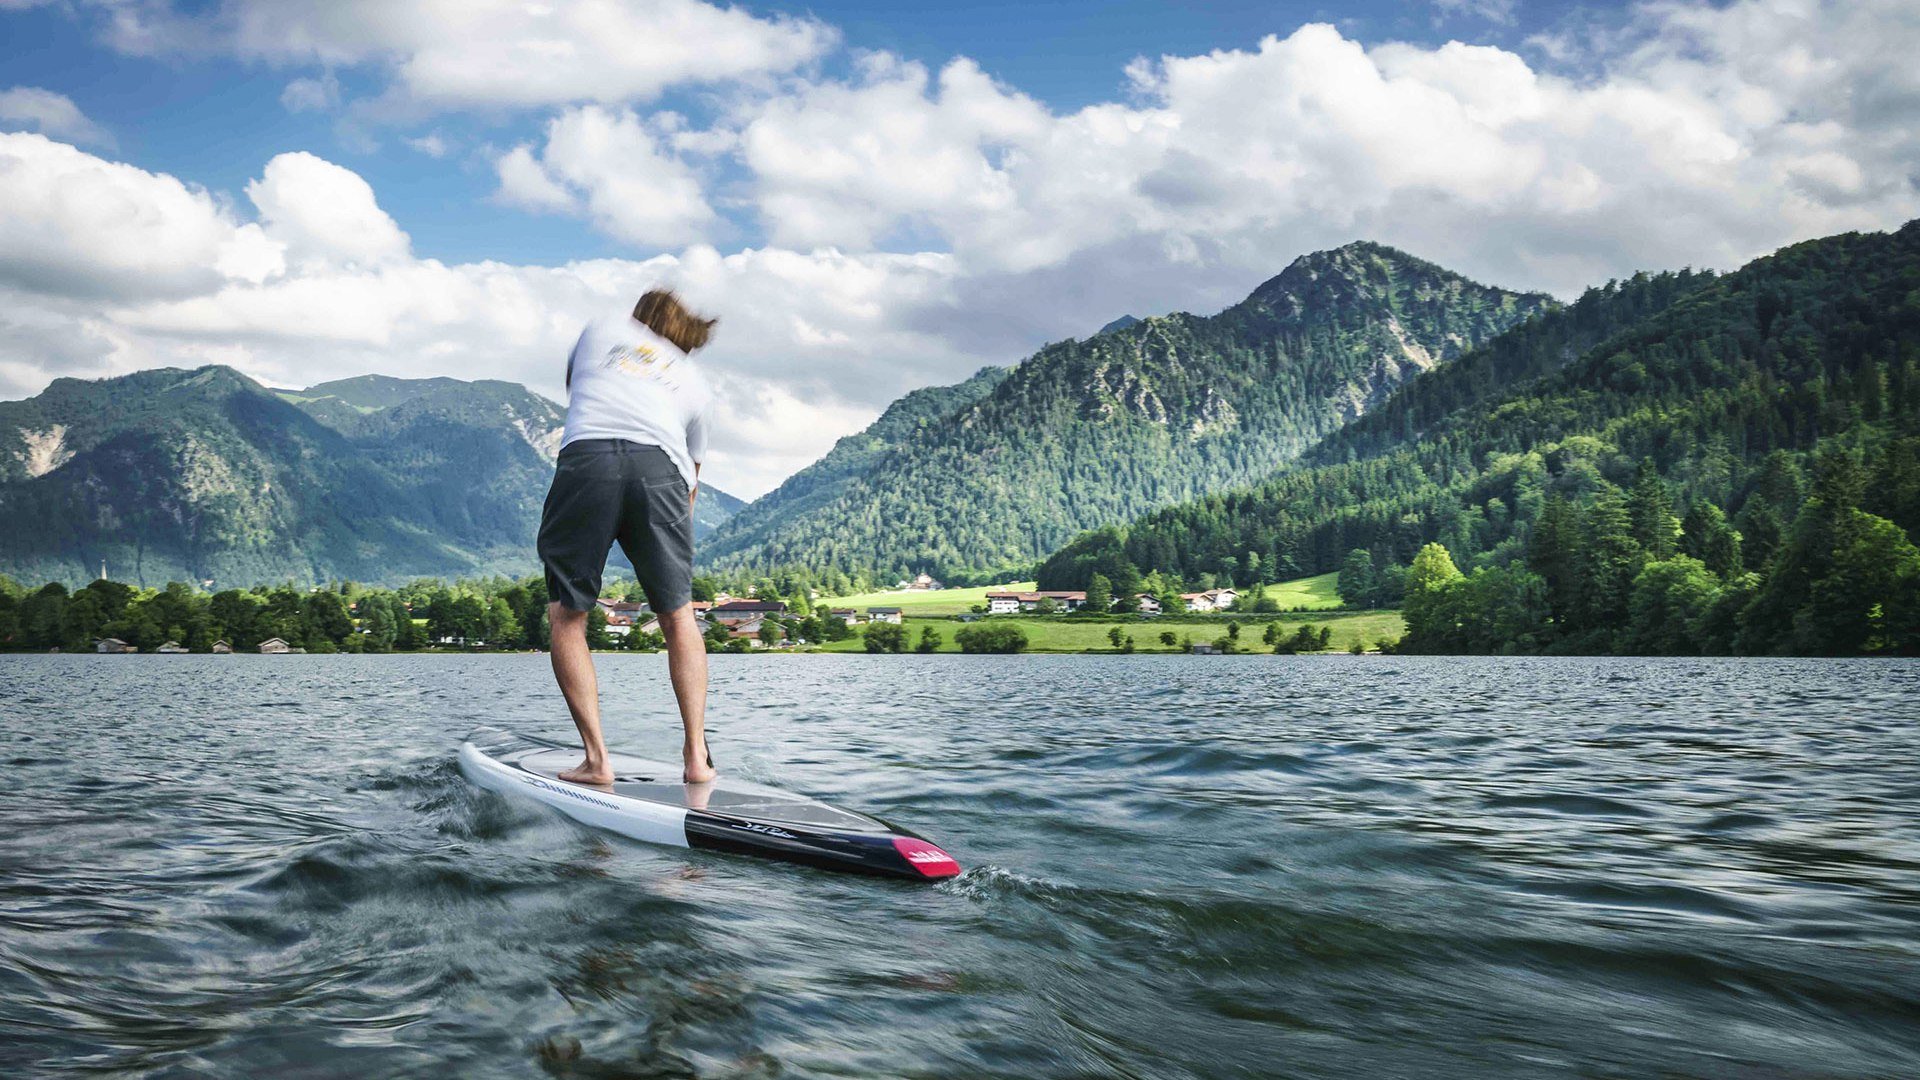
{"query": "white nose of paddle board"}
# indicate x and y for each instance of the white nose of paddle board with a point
(647, 801)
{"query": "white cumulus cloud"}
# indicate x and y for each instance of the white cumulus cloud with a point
(323, 213)
(441, 54)
(845, 163)
(50, 114)
(72, 224)
(608, 166)
(1709, 135)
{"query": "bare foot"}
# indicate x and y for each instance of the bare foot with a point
(699, 768)
(588, 772)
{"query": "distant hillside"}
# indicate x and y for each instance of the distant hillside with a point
(1675, 463)
(207, 475)
(1144, 414)
(711, 510)
(909, 419)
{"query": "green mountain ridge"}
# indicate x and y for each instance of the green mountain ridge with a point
(205, 475)
(1090, 432)
(908, 419)
(1713, 398)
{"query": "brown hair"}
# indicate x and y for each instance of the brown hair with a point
(665, 315)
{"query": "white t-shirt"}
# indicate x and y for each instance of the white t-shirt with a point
(627, 382)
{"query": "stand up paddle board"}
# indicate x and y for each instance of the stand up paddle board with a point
(647, 801)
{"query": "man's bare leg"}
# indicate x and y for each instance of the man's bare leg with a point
(573, 669)
(687, 664)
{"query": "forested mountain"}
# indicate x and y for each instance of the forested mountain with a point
(1676, 463)
(207, 475)
(1139, 416)
(908, 420)
(440, 430)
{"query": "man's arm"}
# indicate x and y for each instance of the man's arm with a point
(696, 449)
(575, 351)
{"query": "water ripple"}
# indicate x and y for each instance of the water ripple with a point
(1178, 867)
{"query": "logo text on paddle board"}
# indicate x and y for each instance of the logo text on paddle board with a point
(768, 829)
(582, 796)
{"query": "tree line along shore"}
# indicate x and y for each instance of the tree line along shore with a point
(505, 614)
(1617, 571)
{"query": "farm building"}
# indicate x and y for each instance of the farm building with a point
(1210, 600)
(738, 611)
(1007, 603)
(621, 615)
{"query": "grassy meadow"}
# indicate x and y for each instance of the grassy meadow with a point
(1318, 593)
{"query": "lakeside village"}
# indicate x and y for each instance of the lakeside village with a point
(109, 617)
(741, 624)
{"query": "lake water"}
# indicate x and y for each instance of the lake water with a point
(1176, 867)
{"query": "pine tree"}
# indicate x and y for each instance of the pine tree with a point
(1706, 536)
(1760, 533)
(1866, 599)
(1554, 554)
(1650, 505)
(1778, 619)
(1609, 560)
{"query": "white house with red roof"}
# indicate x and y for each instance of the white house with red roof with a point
(622, 615)
(1210, 600)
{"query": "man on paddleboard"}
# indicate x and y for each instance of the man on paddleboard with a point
(628, 471)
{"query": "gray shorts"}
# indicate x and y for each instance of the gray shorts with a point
(608, 490)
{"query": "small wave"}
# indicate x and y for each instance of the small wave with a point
(332, 875)
(1675, 899)
(1584, 805)
(428, 773)
(1204, 759)
(1735, 823)
(988, 883)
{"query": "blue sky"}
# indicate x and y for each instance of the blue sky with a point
(215, 119)
(314, 189)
